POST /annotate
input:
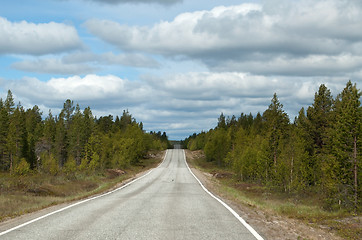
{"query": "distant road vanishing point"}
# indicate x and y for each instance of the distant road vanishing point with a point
(166, 203)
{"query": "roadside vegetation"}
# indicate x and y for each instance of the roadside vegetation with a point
(35, 191)
(307, 207)
(313, 162)
(68, 156)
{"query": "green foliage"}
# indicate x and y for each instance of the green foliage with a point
(217, 146)
(346, 145)
(94, 163)
(70, 166)
(198, 142)
(49, 164)
(71, 142)
(22, 168)
(320, 152)
(4, 128)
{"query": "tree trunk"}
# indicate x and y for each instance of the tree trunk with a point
(275, 158)
(355, 173)
(291, 173)
(11, 163)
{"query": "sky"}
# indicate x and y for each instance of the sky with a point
(176, 65)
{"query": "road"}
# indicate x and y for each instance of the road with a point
(168, 203)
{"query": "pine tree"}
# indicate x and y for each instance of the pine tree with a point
(16, 138)
(217, 146)
(319, 122)
(9, 103)
(60, 141)
(304, 140)
(34, 125)
(221, 121)
(319, 116)
(76, 135)
(48, 139)
(125, 120)
(276, 122)
(67, 111)
(347, 138)
(4, 128)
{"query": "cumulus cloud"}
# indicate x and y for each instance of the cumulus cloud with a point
(53, 66)
(178, 104)
(300, 34)
(311, 65)
(37, 39)
(99, 91)
(84, 63)
(228, 90)
(126, 59)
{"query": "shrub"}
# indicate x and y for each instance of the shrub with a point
(22, 168)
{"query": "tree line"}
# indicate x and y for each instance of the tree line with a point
(319, 152)
(71, 141)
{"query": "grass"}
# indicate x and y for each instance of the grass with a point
(307, 207)
(24, 194)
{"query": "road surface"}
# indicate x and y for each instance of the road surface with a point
(168, 203)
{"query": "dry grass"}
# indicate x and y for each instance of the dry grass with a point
(24, 194)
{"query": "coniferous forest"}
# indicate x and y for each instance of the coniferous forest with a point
(72, 141)
(320, 152)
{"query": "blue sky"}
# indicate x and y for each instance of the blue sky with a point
(177, 64)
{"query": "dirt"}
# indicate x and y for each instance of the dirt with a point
(267, 224)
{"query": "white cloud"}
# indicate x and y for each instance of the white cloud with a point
(126, 59)
(99, 91)
(37, 39)
(311, 65)
(191, 67)
(83, 63)
(163, 2)
(323, 37)
(53, 66)
(178, 104)
(181, 36)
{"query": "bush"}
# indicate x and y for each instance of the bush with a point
(22, 168)
(70, 166)
(50, 164)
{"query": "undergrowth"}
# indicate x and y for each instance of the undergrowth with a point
(307, 207)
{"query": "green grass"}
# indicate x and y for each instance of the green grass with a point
(24, 194)
(307, 207)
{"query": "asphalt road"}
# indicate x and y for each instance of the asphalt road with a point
(168, 203)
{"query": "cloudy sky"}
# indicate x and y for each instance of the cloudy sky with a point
(177, 64)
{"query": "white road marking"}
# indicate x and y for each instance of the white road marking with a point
(78, 203)
(256, 235)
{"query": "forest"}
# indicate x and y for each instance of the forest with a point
(319, 152)
(72, 141)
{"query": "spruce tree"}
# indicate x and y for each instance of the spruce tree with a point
(4, 128)
(60, 141)
(276, 122)
(319, 115)
(319, 122)
(346, 140)
(16, 138)
(9, 103)
(34, 131)
(76, 135)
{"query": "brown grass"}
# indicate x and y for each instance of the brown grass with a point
(24, 194)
